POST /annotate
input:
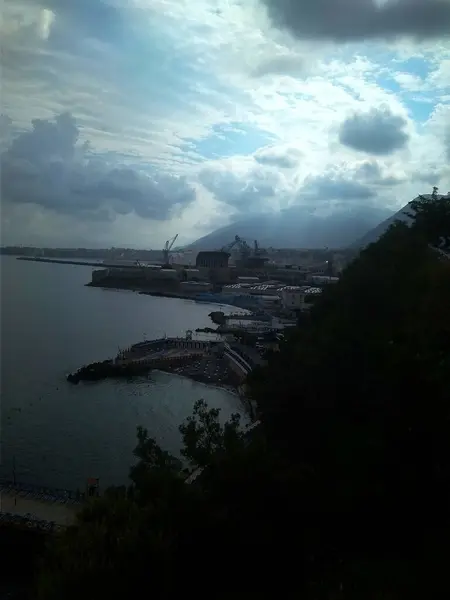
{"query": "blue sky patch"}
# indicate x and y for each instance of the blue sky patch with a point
(230, 139)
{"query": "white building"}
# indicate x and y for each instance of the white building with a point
(294, 298)
(236, 289)
(322, 279)
(196, 286)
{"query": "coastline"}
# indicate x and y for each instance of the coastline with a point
(145, 291)
(231, 389)
(200, 379)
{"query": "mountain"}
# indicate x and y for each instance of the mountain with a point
(402, 215)
(374, 234)
(297, 227)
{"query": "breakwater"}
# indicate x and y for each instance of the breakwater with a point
(60, 261)
(139, 359)
(102, 370)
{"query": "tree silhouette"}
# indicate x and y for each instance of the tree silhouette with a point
(343, 490)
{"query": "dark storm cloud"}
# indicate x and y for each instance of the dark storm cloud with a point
(47, 166)
(346, 20)
(377, 132)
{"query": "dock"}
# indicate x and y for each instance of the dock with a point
(84, 263)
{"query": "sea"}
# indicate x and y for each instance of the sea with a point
(56, 434)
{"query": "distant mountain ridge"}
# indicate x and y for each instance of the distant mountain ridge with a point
(298, 227)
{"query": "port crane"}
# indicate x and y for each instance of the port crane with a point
(167, 248)
(243, 246)
(257, 251)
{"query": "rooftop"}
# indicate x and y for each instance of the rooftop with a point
(304, 289)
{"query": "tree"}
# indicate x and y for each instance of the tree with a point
(432, 219)
(137, 537)
(359, 397)
(343, 491)
(204, 437)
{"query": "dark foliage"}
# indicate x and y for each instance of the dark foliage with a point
(342, 492)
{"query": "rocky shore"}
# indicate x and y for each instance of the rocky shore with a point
(102, 370)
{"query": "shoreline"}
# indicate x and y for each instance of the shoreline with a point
(231, 389)
(142, 290)
(200, 379)
(162, 293)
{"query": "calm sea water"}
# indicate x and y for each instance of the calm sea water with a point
(58, 434)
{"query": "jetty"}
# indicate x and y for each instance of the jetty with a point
(220, 318)
(84, 263)
(165, 354)
(209, 361)
(102, 370)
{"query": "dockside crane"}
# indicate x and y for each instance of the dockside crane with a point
(231, 245)
(167, 248)
(244, 248)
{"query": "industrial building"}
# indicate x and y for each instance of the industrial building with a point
(212, 260)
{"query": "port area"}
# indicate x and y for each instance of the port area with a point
(202, 361)
(206, 369)
(199, 360)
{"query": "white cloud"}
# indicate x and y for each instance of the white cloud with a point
(209, 91)
(409, 81)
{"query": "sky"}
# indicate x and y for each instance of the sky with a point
(124, 122)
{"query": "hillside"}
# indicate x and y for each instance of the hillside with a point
(298, 227)
(374, 234)
(402, 215)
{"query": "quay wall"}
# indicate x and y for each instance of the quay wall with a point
(239, 365)
(164, 361)
(163, 343)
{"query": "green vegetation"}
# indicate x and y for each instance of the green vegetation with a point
(343, 490)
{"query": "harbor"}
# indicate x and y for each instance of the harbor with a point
(213, 362)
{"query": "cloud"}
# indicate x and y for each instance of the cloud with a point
(205, 116)
(328, 187)
(371, 172)
(350, 20)
(283, 158)
(447, 143)
(5, 129)
(247, 192)
(90, 18)
(284, 64)
(47, 166)
(375, 132)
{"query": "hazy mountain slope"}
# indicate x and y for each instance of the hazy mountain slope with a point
(374, 234)
(402, 215)
(297, 228)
